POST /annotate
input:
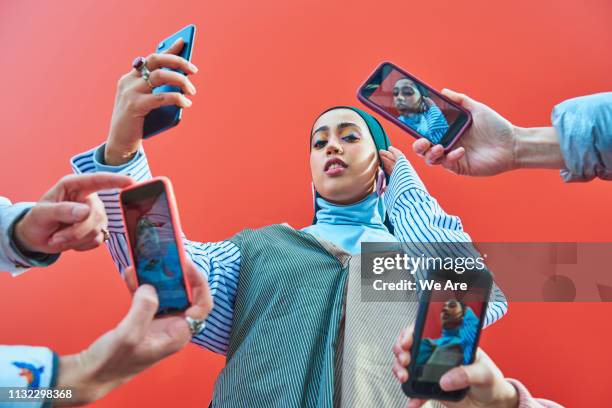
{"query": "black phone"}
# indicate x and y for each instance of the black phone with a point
(414, 106)
(447, 330)
(166, 117)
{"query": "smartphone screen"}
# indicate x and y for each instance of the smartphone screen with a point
(447, 329)
(166, 117)
(413, 106)
(154, 247)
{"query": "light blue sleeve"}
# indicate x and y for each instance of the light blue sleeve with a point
(11, 258)
(26, 367)
(218, 261)
(418, 218)
(584, 128)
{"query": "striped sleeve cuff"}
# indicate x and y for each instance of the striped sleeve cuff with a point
(92, 161)
(403, 178)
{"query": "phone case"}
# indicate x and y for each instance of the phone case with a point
(176, 224)
(397, 122)
(166, 117)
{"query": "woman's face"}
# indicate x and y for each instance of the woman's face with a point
(406, 96)
(343, 157)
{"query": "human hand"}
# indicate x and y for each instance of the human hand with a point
(487, 385)
(134, 101)
(69, 216)
(137, 343)
(488, 146)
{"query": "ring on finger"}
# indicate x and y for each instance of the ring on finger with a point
(106, 234)
(140, 64)
(195, 326)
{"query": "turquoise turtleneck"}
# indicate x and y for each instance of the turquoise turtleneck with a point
(347, 226)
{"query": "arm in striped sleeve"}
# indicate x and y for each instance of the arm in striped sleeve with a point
(418, 218)
(219, 262)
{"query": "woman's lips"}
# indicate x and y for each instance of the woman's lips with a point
(335, 170)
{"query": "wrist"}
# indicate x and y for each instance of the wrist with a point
(20, 238)
(116, 155)
(72, 375)
(509, 397)
(537, 148)
(78, 375)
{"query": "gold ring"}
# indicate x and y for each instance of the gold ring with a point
(106, 234)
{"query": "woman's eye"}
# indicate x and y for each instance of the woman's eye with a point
(350, 138)
(319, 144)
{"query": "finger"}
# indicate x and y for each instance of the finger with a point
(415, 403)
(455, 155)
(421, 146)
(86, 233)
(60, 213)
(434, 155)
(154, 101)
(176, 47)
(406, 338)
(90, 244)
(459, 98)
(387, 154)
(169, 60)
(202, 301)
(388, 165)
(129, 275)
(400, 372)
(135, 325)
(396, 152)
(77, 187)
(163, 77)
(461, 377)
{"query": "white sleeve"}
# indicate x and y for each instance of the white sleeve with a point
(11, 259)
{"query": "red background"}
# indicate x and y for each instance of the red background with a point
(239, 158)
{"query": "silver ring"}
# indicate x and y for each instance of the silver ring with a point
(146, 74)
(195, 326)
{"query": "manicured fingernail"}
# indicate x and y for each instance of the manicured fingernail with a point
(193, 67)
(80, 210)
(188, 102)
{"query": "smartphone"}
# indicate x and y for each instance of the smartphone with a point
(153, 231)
(447, 330)
(414, 106)
(167, 117)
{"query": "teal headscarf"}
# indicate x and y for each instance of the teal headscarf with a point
(360, 212)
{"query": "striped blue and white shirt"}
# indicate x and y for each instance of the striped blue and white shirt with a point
(415, 215)
(431, 124)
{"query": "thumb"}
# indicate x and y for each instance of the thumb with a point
(461, 99)
(465, 376)
(65, 212)
(135, 325)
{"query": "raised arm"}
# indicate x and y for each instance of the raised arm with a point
(417, 218)
(123, 154)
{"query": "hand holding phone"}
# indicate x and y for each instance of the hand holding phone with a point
(136, 98)
(414, 106)
(486, 383)
(156, 247)
(447, 330)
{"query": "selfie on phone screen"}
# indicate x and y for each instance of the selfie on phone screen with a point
(155, 250)
(448, 338)
(414, 106)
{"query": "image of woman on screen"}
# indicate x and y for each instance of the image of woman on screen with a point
(418, 111)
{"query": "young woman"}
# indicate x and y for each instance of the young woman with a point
(419, 111)
(286, 302)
